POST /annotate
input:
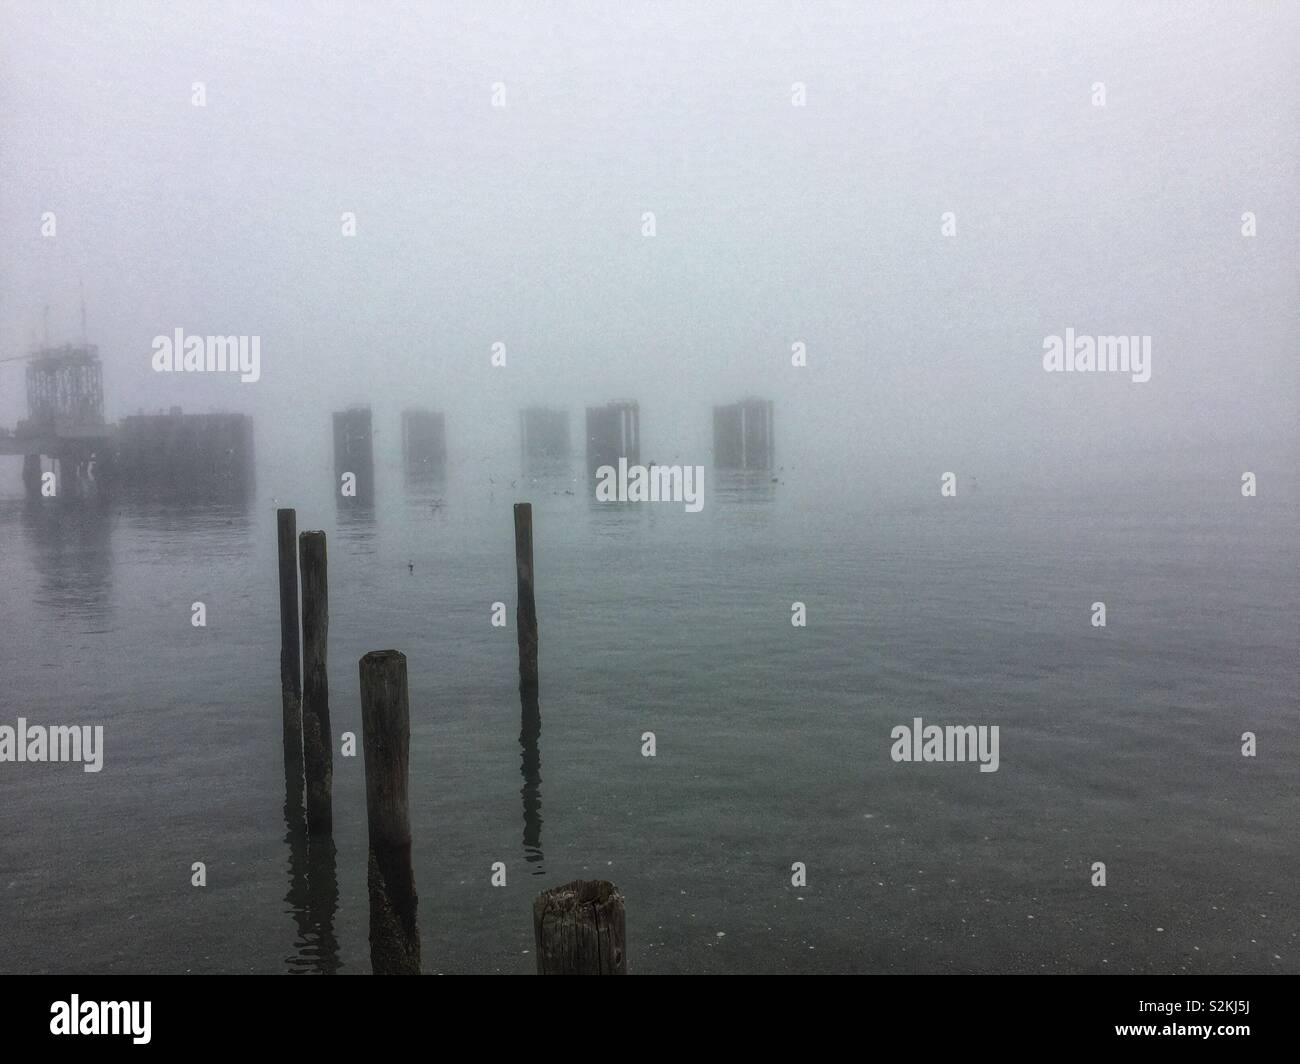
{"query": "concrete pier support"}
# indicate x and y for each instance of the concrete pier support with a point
(613, 432)
(543, 436)
(186, 455)
(424, 444)
(742, 435)
(354, 453)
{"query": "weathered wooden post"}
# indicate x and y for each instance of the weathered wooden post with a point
(530, 767)
(290, 664)
(318, 751)
(526, 612)
(386, 736)
(580, 929)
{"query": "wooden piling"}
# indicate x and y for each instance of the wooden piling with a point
(580, 930)
(530, 767)
(318, 748)
(290, 648)
(526, 612)
(386, 736)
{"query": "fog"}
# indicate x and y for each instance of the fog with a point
(774, 224)
(911, 233)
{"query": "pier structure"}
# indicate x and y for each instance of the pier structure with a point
(65, 419)
(613, 432)
(543, 436)
(354, 453)
(424, 444)
(742, 435)
(195, 454)
(185, 455)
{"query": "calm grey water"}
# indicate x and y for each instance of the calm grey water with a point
(1119, 745)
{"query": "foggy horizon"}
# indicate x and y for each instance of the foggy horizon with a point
(775, 224)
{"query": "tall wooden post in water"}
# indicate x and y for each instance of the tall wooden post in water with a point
(580, 929)
(318, 746)
(386, 736)
(526, 612)
(286, 522)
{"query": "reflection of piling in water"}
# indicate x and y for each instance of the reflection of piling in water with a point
(354, 453)
(526, 611)
(313, 895)
(386, 732)
(544, 437)
(580, 929)
(742, 435)
(424, 444)
(299, 894)
(320, 947)
(613, 432)
(184, 455)
(318, 752)
(32, 475)
(745, 490)
(290, 662)
(69, 543)
(530, 731)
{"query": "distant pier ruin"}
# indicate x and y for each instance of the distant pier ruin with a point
(185, 455)
(424, 444)
(544, 436)
(65, 420)
(742, 435)
(354, 455)
(613, 432)
(193, 455)
(174, 455)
